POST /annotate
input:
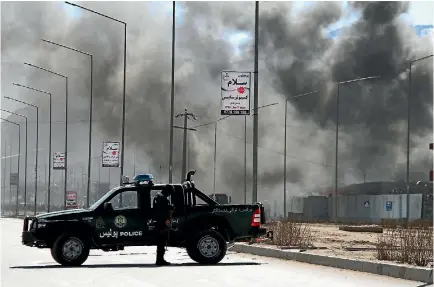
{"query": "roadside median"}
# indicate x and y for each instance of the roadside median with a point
(413, 273)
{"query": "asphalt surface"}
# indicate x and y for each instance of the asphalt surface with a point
(25, 266)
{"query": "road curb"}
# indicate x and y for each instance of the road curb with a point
(398, 271)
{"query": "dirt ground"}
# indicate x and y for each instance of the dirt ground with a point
(336, 241)
(332, 241)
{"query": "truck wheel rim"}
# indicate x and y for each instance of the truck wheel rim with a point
(208, 246)
(72, 248)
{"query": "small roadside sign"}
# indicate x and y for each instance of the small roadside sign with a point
(388, 205)
(14, 177)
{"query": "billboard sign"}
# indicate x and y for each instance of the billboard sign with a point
(110, 154)
(14, 177)
(71, 200)
(59, 160)
(235, 93)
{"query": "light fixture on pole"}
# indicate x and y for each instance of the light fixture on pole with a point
(284, 148)
(123, 98)
(66, 126)
(37, 145)
(245, 145)
(18, 164)
(337, 136)
(49, 139)
(25, 161)
(408, 135)
(89, 158)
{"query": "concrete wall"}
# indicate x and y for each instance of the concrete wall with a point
(356, 208)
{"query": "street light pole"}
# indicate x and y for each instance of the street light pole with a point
(25, 160)
(337, 136)
(408, 136)
(4, 176)
(89, 159)
(255, 109)
(66, 126)
(172, 96)
(123, 97)
(245, 159)
(37, 145)
(284, 148)
(284, 162)
(49, 139)
(245, 143)
(19, 157)
(215, 158)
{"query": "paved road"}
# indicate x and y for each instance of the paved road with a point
(25, 266)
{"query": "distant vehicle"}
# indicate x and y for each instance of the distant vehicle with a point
(124, 216)
(221, 198)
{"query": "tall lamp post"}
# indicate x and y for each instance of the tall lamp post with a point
(49, 140)
(408, 136)
(255, 109)
(25, 160)
(66, 125)
(172, 97)
(245, 146)
(89, 159)
(337, 135)
(284, 148)
(37, 144)
(18, 163)
(123, 97)
(3, 193)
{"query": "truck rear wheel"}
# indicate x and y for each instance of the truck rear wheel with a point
(70, 250)
(208, 247)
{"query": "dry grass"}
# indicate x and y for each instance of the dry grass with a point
(412, 245)
(291, 233)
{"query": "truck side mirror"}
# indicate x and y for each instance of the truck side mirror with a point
(108, 206)
(230, 199)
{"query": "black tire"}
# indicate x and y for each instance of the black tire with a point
(207, 247)
(78, 243)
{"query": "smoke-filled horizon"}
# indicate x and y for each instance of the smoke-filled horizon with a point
(296, 56)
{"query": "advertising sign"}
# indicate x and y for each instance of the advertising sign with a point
(14, 178)
(71, 200)
(235, 93)
(110, 154)
(59, 160)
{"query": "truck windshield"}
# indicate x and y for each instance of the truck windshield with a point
(102, 199)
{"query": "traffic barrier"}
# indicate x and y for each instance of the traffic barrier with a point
(412, 273)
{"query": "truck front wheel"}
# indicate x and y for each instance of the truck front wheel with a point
(208, 247)
(70, 250)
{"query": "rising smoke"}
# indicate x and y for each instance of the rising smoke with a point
(296, 56)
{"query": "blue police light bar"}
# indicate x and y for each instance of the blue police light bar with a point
(143, 179)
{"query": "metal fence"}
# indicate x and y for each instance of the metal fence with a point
(355, 208)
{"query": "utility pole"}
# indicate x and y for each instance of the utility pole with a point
(172, 95)
(215, 158)
(186, 116)
(245, 159)
(284, 163)
(4, 174)
(255, 109)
